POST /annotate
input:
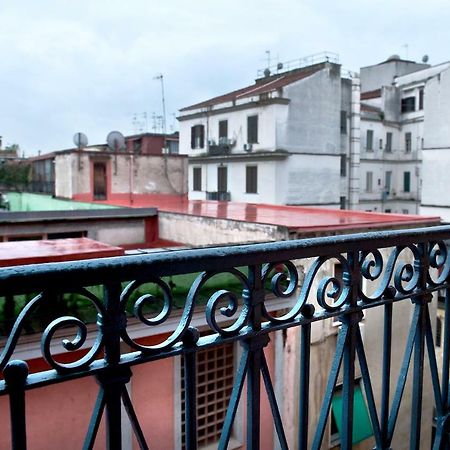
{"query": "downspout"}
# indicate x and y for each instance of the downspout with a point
(355, 144)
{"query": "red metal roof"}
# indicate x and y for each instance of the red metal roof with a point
(371, 94)
(261, 86)
(15, 253)
(298, 218)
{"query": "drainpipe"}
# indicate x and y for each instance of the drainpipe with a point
(355, 144)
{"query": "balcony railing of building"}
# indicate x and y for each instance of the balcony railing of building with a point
(401, 266)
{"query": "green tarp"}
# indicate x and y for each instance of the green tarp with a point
(362, 428)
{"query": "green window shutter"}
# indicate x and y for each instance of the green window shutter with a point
(362, 428)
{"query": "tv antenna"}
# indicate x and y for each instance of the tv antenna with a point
(161, 78)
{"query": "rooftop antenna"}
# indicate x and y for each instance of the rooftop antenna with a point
(161, 78)
(268, 58)
(406, 46)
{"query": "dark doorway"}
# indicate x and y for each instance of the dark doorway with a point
(99, 181)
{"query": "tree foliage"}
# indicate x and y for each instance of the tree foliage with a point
(14, 175)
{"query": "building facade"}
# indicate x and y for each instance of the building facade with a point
(400, 118)
(283, 140)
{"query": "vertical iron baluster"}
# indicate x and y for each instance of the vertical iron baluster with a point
(386, 373)
(331, 383)
(446, 363)
(348, 384)
(112, 381)
(305, 350)
(255, 347)
(419, 349)
(190, 388)
(446, 352)
(16, 373)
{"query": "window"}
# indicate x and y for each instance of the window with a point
(173, 147)
(405, 211)
(251, 180)
(197, 178)
(214, 380)
(407, 181)
(342, 201)
(137, 145)
(389, 141)
(252, 129)
(343, 165)
(381, 144)
(197, 136)
(421, 99)
(343, 122)
(362, 427)
(408, 104)
(100, 182)
(407, 142)
(222, 179)
(388, 210)
(388, 181)
(369, 140)
(223, 130)
(369, 181)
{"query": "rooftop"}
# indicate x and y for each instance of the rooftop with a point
(298, 218)
(261, 86)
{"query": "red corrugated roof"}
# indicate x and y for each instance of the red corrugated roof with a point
(261, 86)
(371, 94)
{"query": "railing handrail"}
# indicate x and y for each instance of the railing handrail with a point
(174, 262)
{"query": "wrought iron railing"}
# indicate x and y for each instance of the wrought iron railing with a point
(378, 269)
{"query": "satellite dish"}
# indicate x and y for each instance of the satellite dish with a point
(115, 141)
(425, 58)
(279, 66)
(80, 140)
(266, 72)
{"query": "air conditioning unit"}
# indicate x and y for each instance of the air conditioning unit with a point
(248, 147)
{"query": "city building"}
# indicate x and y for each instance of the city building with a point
(283, 140)
(149, 164)
(402, 114)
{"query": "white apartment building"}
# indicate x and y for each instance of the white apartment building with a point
(282, 140)
(401, 116)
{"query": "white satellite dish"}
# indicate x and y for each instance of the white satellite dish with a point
(80, 140)
(115, 141)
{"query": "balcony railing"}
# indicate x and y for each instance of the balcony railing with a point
(378, 270)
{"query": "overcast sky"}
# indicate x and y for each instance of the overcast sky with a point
(89, 65)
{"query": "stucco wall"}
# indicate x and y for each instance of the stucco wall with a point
(311, 179)
(313, 122)
(139, 174)
(198, 231)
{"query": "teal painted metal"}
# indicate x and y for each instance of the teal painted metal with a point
(270, 270)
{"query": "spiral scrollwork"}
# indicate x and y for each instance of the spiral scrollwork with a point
(50, 330)
(224, 296)
(69, 345)
(283, 284)
(439, 260)
(145, 300)
(406, 276)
